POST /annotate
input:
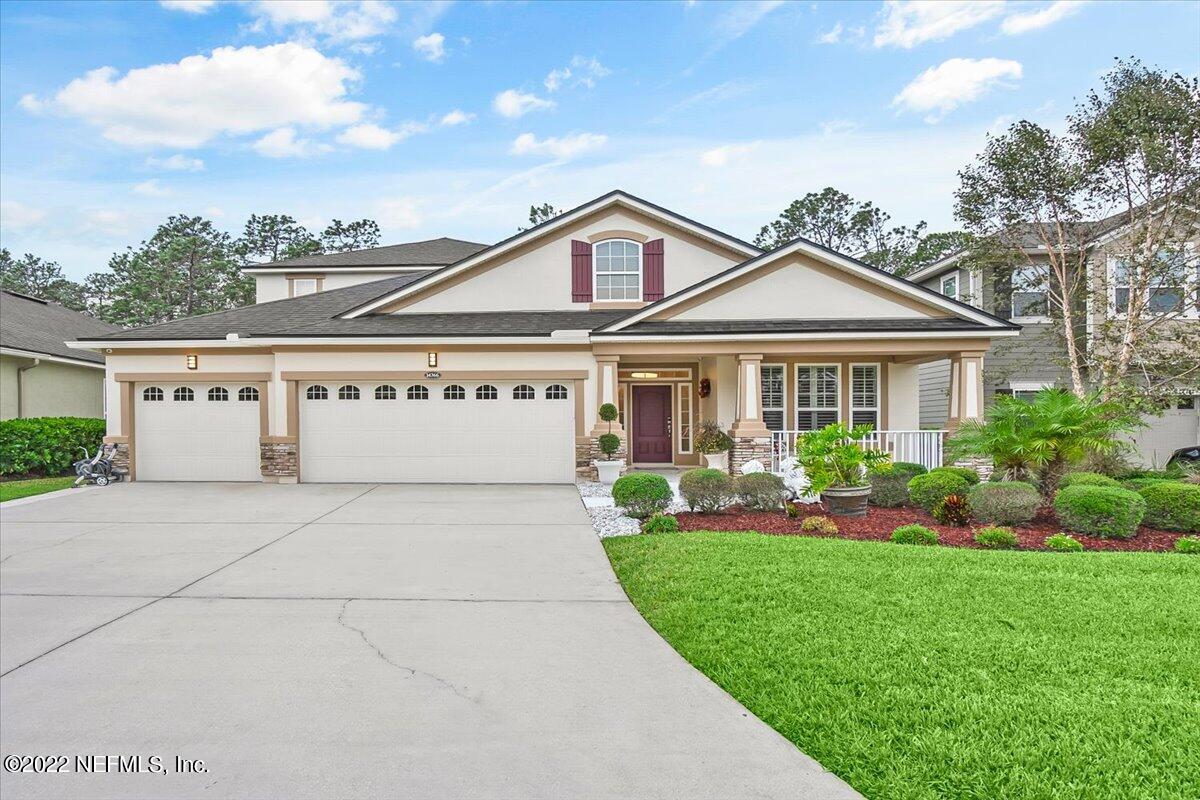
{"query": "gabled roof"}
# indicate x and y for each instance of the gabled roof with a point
(407, 255)
(614, 198)
(33, 325)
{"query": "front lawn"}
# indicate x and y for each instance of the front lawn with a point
(937, 672)
(14, 490)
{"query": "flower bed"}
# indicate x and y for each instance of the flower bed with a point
(879, 523)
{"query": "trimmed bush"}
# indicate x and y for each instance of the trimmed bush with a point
(47, 445)
(609, 443)
(1100, 511)
(1137, 484)
(889, 489)
(1188, 544)
(1005, 502)
(966, 473)
(931, 488)
(660, 523)
(1063, 543)
(1172, 506)
(642, 494)
(706, 490)
(996, 538)
(822, 525)
(1087, 479)
(761, 491)
(953, 509)
(911, 467)
(914, 534)
(792, 511)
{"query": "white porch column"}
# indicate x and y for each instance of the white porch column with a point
(749, 422)
(606, 392)
(966, 388)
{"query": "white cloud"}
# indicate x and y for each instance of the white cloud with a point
(283, 143)
(372, 137)
(1016, 24)
(337, 21)
(456, 117)
(721, 156)
(556, 79)
(189, 6)
(151, 188)
(943, 88)
(582, 71)
(432, 47)
(233, 91)
(742, 17)
(566, 147)
(912, 22)
(176, 163)
(14, 215)
(512, 103)
(398, 212)
(831, 36)
(838, 127)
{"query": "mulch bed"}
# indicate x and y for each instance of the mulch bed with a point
(879, 523)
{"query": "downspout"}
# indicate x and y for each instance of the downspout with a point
(21, 387)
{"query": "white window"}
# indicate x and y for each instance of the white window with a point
(1026, 391)
(348, 392)
(385, 392)
(486, 392)
(152, 394)
(218, 394)
(556, 391)
(617, 270)
(864, 395)
(772, 378)
(1030, 288)
(303, 286)
(184, 394)
(685, 418)
(817, 396)
(317, 393)
(248, 394)
(950, 285)
(524, 392)
(1169, 292)
(417, 392)
(454, 392)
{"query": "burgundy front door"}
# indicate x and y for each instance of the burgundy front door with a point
(651, 424)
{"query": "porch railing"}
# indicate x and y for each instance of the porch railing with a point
(920, 447)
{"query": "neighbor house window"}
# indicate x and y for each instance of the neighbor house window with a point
(1030, 288)
(950, 285)
(218, 394)
(417, 392)
(385, 392)
(556, 391)
(454, 392)
(486, 392)
(618, 270)
(864, 395)
(1167, 295)
(152, 394)
(348, 392)
(248, 394)
(524, 392)
(303, 286)
(184, 394)
(1026, 391)
(317, 392)
(817, 403)
(771, 377)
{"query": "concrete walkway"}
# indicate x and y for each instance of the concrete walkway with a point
(321, 641)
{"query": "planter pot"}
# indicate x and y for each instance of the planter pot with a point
(718, 461)
(608, 471)
(847, 501)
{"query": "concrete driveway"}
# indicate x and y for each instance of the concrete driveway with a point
(352, 641)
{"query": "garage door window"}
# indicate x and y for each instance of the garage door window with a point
(317, 393)
(348, 392)
(454, 392)
(218, 394)
(556, 391)
(184, 394)
(418, 392)
(524, 392)
(248, 394)
(152, 394)
(486, 392)
(385, 392)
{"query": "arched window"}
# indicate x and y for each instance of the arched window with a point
(556, 391)
(248, 394)
(152, 394)
(417, 392)
(218, 394)
(385, 392)
(348, 392)
(317, 392)
(184, 394)
(618, 268)
(524, 392)
(454, 392)
(486, 392)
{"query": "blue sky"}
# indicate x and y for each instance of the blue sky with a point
(451, 119)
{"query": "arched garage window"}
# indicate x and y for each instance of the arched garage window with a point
(486, 392)
(385, 392)
(184, 394)
(418, 392)
(618, 270)
(454, 392)
(317, 393)
(348, 392)
(524, 392)
(556, 391)
(152, 394)
(218, 394)
(248, 394)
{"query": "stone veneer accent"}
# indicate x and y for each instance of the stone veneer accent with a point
(279, 461)
(121, 459)
(748, 450)
(983, 466)
(587, 450)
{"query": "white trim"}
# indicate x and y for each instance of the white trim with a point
(971, 406)
(1029, 386)
(10, 351)
(753, 384)
(335, 269)
(1191, 285)
(131, 344)
(931, 270)
(878, 407)
(783, 337)
(942, 285)
(1012, 289)
(837, 371)
(685, 391)
(596, 273)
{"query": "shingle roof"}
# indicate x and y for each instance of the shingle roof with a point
(743, 326)
(39, 326)
(428, 253)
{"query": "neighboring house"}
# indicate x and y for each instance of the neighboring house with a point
(39, 375)
(1035, 360)
(492, 368)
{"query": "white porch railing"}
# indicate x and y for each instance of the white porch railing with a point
(920, 447)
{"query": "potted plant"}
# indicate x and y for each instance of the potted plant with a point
(714, 444)
(838, 467)
(609, 469)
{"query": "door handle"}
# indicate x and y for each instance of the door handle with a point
(668, 425)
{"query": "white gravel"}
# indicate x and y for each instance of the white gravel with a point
(608, 520)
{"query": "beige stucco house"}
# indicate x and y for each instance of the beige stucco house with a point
(489, 364)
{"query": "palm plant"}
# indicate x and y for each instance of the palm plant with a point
(834, 457)
(1041, 439)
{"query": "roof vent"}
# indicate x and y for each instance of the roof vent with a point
(231, 337)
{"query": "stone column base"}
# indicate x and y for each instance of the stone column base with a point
(587, 450)
(749, 449)
(279, 461)
(121, 458)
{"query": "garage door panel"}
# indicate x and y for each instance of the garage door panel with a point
(196, 440)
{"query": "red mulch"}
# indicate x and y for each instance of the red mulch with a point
(879, 523)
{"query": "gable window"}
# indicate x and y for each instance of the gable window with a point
(817, 396)
(348, 392)
(556, 391)
(454, 392)
(184, 394)
(950, 285)
(618, 270)
(303, 286)
(317, 392)
(1030, 288)
(218, 394)
(417, 392)
(771, 377)
(385, 392)
(248, 394)
(486, 392)
(864, 395)
(152, 394)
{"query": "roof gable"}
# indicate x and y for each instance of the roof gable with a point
(39, 326)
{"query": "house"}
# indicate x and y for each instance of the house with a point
(492, 367)
(39, 375)
(1021, 366)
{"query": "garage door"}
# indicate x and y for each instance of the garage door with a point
(197, 432)
(437, 432)
(1177, 428)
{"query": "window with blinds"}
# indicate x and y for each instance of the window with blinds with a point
(864, 395)
(771, 377)
(816, 397)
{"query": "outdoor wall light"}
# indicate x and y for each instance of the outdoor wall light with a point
(645, 374)
(433, 359)
(193, 361)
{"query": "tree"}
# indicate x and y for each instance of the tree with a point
(341, 237)
(539, 214)
(936, 246)
(38, 277)
(274, 237)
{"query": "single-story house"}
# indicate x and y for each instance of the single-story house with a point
(491, 366)
(40, 376)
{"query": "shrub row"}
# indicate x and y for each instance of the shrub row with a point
(46, 445)
(709, 490)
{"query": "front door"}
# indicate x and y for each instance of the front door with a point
(652, 424)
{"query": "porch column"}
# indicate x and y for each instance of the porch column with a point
(966, 388)
(606, 392)
(749, 422)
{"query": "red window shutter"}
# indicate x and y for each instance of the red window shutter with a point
(581, 272)
(652, 270)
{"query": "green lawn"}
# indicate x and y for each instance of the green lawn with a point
(921, 672)
(14, 490)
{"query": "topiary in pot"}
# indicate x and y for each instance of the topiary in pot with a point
(839, 467)
(642, 494)
(1172, 506)
(713, 443)
(760, 491)
(1100, 511)
(966, 473)
(706, 490)
(914, 534)
(608, 469)
(930, 489)
(1004, 503)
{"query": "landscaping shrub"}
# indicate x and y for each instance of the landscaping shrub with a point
(1137, 484)
(791, 510)
(953, 509)
(914, 534)
(996, 538)
(1172, 506)
(609, 443)
(911, 467)
(1063, 542)
(1187, 544)
(1088, 479)
(46, 445)
(822, 525)
(642, 494)
(660, 523)
(889, 489)
(966, 473)
(929, 489)
(1004, 503)
(761, 491)
(1100, 510)
(706, 490)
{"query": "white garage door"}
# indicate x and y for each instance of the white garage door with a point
(196, 432)
(1177, 428)
(437, 432)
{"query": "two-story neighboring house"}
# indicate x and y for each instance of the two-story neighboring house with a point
(1035, 359)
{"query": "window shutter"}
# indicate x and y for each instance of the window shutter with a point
(652, 270)
(581, 272)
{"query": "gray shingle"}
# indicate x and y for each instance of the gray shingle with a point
(40, 326)
(428, 253)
